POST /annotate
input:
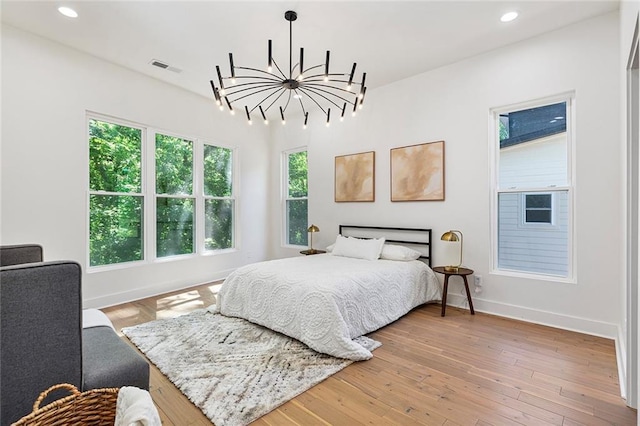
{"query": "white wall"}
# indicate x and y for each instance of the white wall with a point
(46, 90)
(452, 104)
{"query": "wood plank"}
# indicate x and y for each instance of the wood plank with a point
(431, 370)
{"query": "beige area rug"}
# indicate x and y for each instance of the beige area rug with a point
(231, 369)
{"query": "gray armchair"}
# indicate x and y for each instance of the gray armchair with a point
(42, 341)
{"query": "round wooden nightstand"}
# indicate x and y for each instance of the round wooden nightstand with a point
(310, 252)
(461, 272)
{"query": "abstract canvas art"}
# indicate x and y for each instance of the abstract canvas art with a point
(417, 172)
(355, 178)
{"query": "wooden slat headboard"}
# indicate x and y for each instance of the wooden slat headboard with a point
(417, 238)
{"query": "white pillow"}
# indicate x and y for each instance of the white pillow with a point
(358, 248)
(393, 252)
(329, 249)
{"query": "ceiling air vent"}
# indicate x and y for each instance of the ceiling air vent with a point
(159, 64)
(164, 66)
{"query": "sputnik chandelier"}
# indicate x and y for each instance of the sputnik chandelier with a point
(273, 88)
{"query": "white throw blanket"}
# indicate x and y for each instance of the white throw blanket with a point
(95, 318)
(326, 301)
(135, 408)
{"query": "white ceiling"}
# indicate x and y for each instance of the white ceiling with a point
(390, 40)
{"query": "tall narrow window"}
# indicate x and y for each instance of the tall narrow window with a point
(115, 193)
(219, 204)
(532, 233)
(296, 216)
(175, 203)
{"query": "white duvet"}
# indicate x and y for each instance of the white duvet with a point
(326, 301)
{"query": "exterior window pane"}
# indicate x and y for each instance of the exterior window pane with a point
(115, 157)
(218, 224)
(538, 208)
(297, 174)
(533, 190)
(538, 216)
(218, 171)
(174, 226)
(174, 165)
(535, 153)
(115, 229)
(297, 222)
(530, 248)
(115, 219)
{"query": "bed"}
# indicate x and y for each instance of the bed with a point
(328, 300)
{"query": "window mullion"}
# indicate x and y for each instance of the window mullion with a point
(198, 193)
(149, 187)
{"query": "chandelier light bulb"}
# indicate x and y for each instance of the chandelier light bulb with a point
(349, 87)
(233, 81)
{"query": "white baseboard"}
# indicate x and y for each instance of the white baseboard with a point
(149, 291)
(551, 319)
(621, 359)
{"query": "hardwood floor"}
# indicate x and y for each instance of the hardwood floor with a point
(457, 370)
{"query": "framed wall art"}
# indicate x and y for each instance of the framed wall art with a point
(417, 172)
(355, 177)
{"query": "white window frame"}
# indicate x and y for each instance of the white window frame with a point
(494, 161)
(284, 237)
(150, 196)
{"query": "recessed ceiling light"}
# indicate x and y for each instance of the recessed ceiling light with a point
(509, 16)
(67, 11)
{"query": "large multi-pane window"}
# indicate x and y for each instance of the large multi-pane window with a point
(533, 189)
(295, 200)
(179, 189)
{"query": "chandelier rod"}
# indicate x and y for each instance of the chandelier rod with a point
(317, 92)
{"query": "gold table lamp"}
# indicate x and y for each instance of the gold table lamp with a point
(311, 230)
(452, 236)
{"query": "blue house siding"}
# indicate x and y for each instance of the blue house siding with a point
(537, 248)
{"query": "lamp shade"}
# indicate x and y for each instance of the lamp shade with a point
(449, 236)
(453, 236)
(313, 228)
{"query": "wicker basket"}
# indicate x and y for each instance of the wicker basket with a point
(93, 407)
